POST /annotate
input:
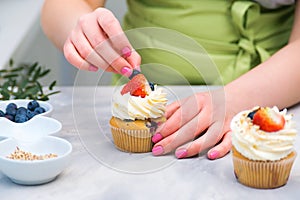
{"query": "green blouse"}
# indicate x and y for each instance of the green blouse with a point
(204, 41)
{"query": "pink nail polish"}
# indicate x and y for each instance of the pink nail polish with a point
(213, 155)
(158, 150)
(126, 71)
(126, 52)
(181, 153)
(93, 68)
(157, 137)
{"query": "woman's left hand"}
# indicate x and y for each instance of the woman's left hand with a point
(194, 124)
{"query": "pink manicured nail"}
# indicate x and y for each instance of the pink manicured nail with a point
(93, 68)
(126, 52)
(181, 153)
(157, 137)
(158, 150)
(126, 71)
(213, 155)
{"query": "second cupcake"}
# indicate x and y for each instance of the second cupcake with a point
(263, 147)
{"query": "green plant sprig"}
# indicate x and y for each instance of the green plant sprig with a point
(22, 82)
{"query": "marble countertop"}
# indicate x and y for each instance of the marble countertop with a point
(99, 171)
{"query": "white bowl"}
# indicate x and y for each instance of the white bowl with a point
(30, 130)
(23, 102)
(37, 171)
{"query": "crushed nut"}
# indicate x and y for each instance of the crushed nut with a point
(23, 155)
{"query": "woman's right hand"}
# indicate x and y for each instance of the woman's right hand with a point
(98, 41)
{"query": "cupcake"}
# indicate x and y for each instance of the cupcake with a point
(137, 111)
(263, 147)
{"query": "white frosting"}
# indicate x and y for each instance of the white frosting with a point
(135, 107)
(256, 144)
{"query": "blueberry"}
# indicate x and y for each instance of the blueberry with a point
(30, 114)
(10, 117)
(251, 114)
(151, 124)
(151, 86)
(33, 105)
(1, 113)
(134, 72)
(20, 118)
(11, 109)
(12, 105)
(21, 110)
(39, 110)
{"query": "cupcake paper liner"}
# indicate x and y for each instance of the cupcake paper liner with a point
(135, 141)
(262, 174)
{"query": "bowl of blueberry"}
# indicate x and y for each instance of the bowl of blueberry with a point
(22, 110)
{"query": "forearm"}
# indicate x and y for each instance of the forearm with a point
(59, 17)
(274, 82)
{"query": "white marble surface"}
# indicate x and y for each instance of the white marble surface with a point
(99, 171)
(17, 17)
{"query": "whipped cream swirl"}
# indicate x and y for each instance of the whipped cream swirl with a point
(256, 144)
(127, 107)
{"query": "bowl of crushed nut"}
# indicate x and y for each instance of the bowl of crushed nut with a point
(36, 162)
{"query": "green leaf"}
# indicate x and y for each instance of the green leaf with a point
(21, 82)
(44, 73)
(5, 95)
(32, 68)
(40, 88)
(28, 92)
(10, 75)
(36, 74)
(3, 70)
(51, 93)
(11, 62)
(44, 98)
(51, 86)
(17, 69)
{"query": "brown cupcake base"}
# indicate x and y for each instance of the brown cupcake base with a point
(135, 141)
(262, 174)
(133, 136)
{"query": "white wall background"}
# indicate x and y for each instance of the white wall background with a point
(36, 47)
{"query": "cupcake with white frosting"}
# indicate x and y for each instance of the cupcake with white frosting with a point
(136, 116)
(263, 147)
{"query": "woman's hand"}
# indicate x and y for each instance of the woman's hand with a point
(195, 124)
(98, 41)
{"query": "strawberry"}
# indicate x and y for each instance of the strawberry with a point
(268, 120)
(137, 86)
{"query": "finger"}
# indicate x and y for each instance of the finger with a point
(113, 59)
(117, 38)
(85, 49)
(181, 116)
(95, 37)
(73, 57)
(185, 134)
(171, 108)
(134, 59)
(171, 125)
(213, 135)
(94, 46)
(111, 26)
(221, 149)
(91, 30)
